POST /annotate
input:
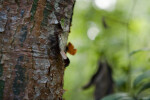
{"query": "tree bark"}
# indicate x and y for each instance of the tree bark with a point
(32, 35)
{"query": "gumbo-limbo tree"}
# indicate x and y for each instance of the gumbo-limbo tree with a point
(33, 39)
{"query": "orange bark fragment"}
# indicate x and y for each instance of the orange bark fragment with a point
(70, 49)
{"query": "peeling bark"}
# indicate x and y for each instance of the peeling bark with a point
(32, 35)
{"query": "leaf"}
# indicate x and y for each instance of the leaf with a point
(145, 98)
(117, 96)
(139, 50)
(138, 80)
(144, 87)
(127, 98)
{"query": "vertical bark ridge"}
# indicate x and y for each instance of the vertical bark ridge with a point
(38, 17)
(32, 35)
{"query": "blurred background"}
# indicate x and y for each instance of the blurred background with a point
(118, 30)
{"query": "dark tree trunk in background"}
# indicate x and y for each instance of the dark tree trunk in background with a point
(102, 81)
(32, 35)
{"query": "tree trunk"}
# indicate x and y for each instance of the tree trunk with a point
(32, 35)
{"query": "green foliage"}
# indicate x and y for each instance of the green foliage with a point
(142, 77)
(140, 50)
(124, 43)
(136, 91)
(118, 96)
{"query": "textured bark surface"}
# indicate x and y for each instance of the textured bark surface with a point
(32, 35)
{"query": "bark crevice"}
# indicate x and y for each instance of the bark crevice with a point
(35, 33)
